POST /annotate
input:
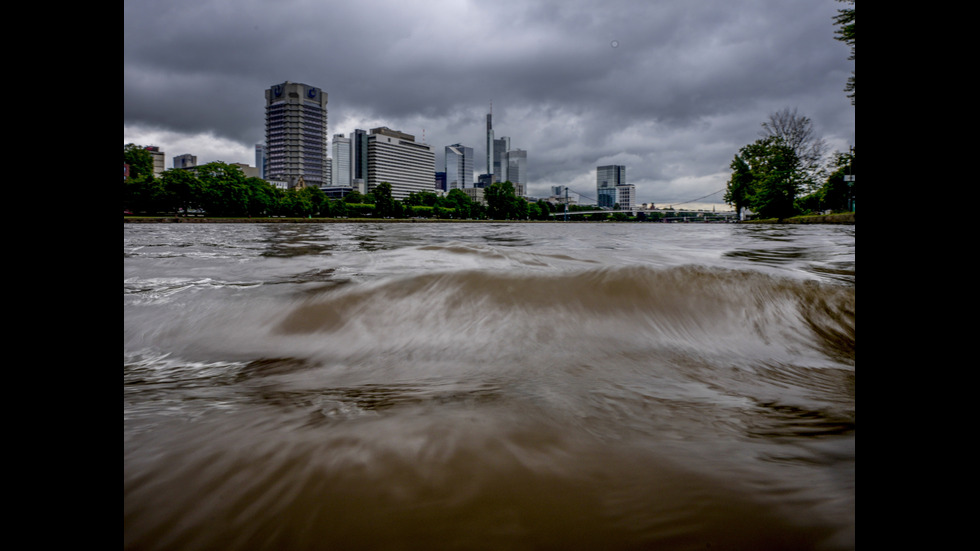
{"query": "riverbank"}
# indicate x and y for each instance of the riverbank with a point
(846, 218)
(843, 218)
(206, 220)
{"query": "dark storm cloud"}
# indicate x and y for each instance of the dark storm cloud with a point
(671, 88)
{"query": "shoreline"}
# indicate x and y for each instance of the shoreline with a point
(846, 218)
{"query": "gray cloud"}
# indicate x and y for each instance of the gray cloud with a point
(671, 88)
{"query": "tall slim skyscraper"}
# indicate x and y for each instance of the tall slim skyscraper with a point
(490, 142)
(260, 159)
(459, 167)
(501, 146)
(341, 161)
(359, 160)
(296, 134)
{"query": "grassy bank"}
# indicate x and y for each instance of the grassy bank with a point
(842, 218)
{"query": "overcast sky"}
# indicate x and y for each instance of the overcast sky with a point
(669, 88)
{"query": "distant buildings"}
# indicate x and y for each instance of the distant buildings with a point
(563, 194)
(396, 158)
(359, 160)
(612, 189)
(185, 161)
(158, 160)
(260, 159)
(515, 162)
(490, 143)
(296, 134)
(459, 167)
(341, 161)
(606, 179)
(500, 147)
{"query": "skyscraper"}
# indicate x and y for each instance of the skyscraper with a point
(341, 161)
(395, 157)
(260, 159)
(606, 179)
(490, 142)
(459, 167)
(516, 162)
(359, 160)
(296, 134)
(501, 146)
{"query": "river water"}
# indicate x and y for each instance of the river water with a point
(488, 386)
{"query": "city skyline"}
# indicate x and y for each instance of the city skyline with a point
(671, 89)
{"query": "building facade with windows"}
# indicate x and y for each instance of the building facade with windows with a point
(501, 146)
(260, 159)
(606, 179)
(185, 161)
(459, 167)
(515, 162)
(341, 161)
(296, 134)
(395, 157)
(626, 196)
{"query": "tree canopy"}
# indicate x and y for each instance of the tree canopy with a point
(765, 178)
(845, 33)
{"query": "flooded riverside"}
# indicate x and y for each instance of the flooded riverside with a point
(488, 386)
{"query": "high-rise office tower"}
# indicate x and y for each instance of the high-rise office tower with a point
(185, 161)
(459, 167)
(501, 146)
(395, 157)
(516, 162)
(359, 160)
(341, 161)
(296, 134)
(606, 179)
(260, 159)
(490, 142)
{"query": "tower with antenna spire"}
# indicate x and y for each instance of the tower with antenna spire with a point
(490, 142)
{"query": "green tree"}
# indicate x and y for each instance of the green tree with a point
(140, 161)
(141, 191)
(338, 208)
(838, 193)
(766, 178)
(503, 203)
(262, 197)
(845, 33)
(741, 186)
(224, 190)
(422, 198)
(384, 205)
(182, 188)
(458, 200)
(809, 150)
(354, 197)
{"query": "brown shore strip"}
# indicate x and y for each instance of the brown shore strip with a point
(846, 218)
(843, 218)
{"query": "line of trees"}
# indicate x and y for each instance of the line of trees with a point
(787, 171)
(221, 189)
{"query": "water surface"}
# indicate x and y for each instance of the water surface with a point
(488, 386)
